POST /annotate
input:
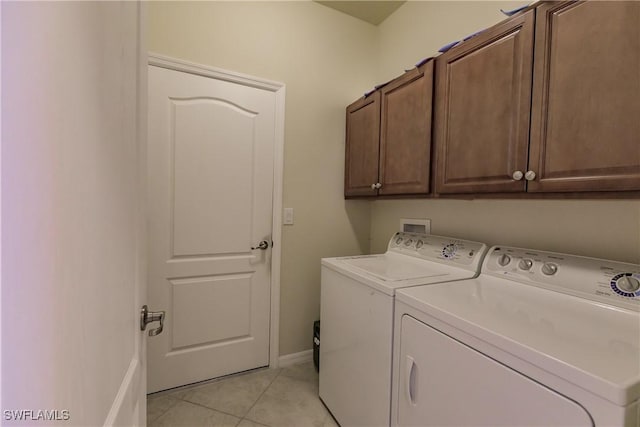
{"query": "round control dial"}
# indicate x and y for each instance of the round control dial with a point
(408, 242)
(504, 259)
(398, 240)
(626, 284)
(549, 268)
(419, 244)
(525, 264)
(449, 250)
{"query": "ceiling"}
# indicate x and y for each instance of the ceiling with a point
(373, 12)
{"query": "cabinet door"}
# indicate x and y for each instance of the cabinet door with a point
(362, 145)
(483, 100)
(405, 132)
(585, 133)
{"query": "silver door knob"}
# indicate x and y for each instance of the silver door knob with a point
(263, 246)
(530, 175)
(517, 175)
(147, 317)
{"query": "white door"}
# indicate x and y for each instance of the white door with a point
(73, 244)
(211, 155)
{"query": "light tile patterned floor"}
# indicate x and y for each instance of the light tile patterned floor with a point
(284, 397)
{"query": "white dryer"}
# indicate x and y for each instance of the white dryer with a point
(538, 339)
(357, 296)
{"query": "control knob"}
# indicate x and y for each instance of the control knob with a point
(504, 259)
(549, 268)
(449, 250)
(525, 264)
(628, 284)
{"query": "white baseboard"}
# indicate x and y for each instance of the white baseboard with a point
(295, 358)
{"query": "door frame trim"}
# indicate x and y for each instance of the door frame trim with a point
(278, 166)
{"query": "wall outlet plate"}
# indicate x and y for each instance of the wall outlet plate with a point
(415, 225)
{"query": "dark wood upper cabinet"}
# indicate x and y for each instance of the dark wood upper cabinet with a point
(585, 126)
(388, 140)
(483, 99)
(362, 146)
(405, 133)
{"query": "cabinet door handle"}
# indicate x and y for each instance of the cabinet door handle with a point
(517, 175)
(378, 186)
(373, 186)
(530, 175)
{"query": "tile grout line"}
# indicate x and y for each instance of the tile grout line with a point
(261, 394)
(163, 412)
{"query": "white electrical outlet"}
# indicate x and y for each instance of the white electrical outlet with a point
(288, 216)
(413, 225)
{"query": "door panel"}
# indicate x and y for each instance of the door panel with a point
(585, 125)
(209, 302)
(405, 134)
(211, 152)
(362, 146)
(483, 92)
(210, 172)
(442, 382)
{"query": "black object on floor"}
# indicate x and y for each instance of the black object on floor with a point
(316, 344)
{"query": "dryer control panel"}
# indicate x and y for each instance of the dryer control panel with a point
(611, 282)
(464, 253)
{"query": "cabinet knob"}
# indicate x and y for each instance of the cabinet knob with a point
(530, 175)
(517, 175)
(378, 186)
(373, 186)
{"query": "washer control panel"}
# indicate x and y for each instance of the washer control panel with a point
(601, 280)
(439, 248)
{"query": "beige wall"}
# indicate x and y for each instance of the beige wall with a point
(607, 229)
(419, 28)
(326, 59)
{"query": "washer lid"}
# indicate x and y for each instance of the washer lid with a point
(391, 267)
(391, 271)
(592, 345)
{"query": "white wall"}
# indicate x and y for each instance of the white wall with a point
(326, 59)
(606, 229)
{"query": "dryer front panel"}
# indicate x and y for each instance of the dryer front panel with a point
(443, 382)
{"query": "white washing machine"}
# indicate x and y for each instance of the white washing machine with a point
(356, 317)
(538, 339)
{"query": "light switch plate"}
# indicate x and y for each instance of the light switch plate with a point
(287, 218)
